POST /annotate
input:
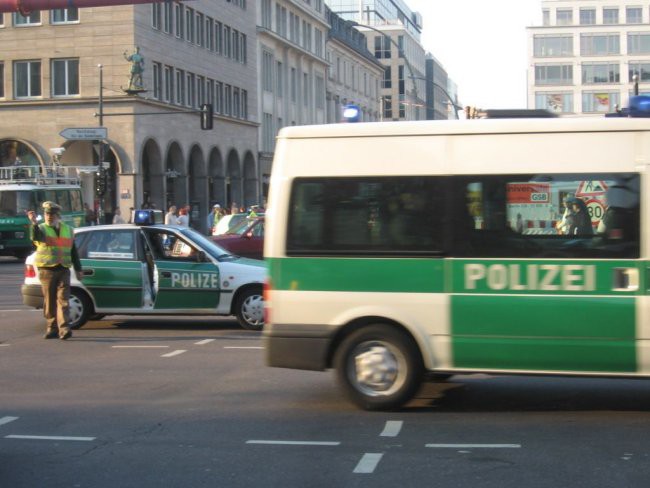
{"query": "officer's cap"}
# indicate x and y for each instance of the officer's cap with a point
(51, 207)
(216, 205)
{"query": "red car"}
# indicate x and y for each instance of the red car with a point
(246, 239)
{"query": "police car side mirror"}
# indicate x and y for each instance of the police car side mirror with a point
(200, 257)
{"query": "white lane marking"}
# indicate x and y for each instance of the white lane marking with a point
(203, 342)
(6, 420)
(20, 310)
(471, 446)
(50, 438)
(368, 463)
(5, 345)
(392, 428)
(294, 443)
(243, 347)
(139, 347)
(174, 353)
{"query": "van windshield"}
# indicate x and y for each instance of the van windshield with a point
(14, 203)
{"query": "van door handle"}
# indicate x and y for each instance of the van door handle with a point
(166, 274)
(625, 279)
(88, 272)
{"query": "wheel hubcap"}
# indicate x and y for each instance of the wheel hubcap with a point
(75, 309)
(379, 369)
(253, 310)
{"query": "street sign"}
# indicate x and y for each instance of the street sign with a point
(84, 133)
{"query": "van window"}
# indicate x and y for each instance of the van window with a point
(75, 201)
(367, 216)
(543, 216)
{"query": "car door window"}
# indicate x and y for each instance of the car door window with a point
(171, 247)
(109, 245)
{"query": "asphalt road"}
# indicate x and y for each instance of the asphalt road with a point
(169, 402)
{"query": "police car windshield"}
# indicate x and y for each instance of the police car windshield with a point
(207, 245)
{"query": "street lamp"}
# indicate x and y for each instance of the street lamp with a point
(400, 52)
(450, 100)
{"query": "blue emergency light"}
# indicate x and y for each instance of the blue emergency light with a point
(147, 217)
(351, 113)
(639, 107)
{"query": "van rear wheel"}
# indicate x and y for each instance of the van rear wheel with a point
(379, 367)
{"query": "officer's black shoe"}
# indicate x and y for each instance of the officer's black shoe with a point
(50, 334)
(66, 336)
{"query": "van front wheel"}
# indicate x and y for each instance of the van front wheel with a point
(379, 367)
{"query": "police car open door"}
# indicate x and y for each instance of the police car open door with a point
(183, 277)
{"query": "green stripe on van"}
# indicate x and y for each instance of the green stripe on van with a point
(354, 274)
(544, 333)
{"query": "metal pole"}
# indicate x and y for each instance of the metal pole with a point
(100, 172)
(101, 95)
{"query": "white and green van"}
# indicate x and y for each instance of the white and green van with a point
(412, 250)
(24, 188)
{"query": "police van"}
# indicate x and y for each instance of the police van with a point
(147, 268)
(405, 251)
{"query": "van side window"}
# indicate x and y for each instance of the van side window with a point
(392, 216)
(542, 216)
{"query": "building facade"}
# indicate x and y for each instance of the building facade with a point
(55, 64)
(393, 33)
(441, 93)
(354, 74)
(292, 68)
(585, 55)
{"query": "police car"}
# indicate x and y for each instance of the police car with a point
(148, 268)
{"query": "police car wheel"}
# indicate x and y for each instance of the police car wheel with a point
(79, 309)
(379, 367)
(250, 309)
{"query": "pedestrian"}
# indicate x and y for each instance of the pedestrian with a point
(55, 255)
(183, 219)
(170, 216)
(117, 218)
(91, 216)
(580, 222)
(214, 217)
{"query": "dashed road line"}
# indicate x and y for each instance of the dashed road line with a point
(368, 463)
(203, 342)
(174, 353)
(474, 446)
(392, 428)
(6, 420)
(294, 443)
(50, 438)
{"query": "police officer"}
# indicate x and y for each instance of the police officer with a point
(55, 255)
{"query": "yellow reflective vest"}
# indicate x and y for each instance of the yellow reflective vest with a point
(56, 249)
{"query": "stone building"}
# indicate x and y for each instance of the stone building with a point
(194, 53)
(353, 75)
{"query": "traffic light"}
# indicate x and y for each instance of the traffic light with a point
(206, 116)
(100, 182)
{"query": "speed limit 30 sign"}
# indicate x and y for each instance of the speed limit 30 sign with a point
(596, 210)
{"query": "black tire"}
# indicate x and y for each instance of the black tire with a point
(80, 308)
(249, 309)
(393, 367)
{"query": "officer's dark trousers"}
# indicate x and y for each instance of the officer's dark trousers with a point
(56, 297)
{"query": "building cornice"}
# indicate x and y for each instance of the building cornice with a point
(287, 43)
